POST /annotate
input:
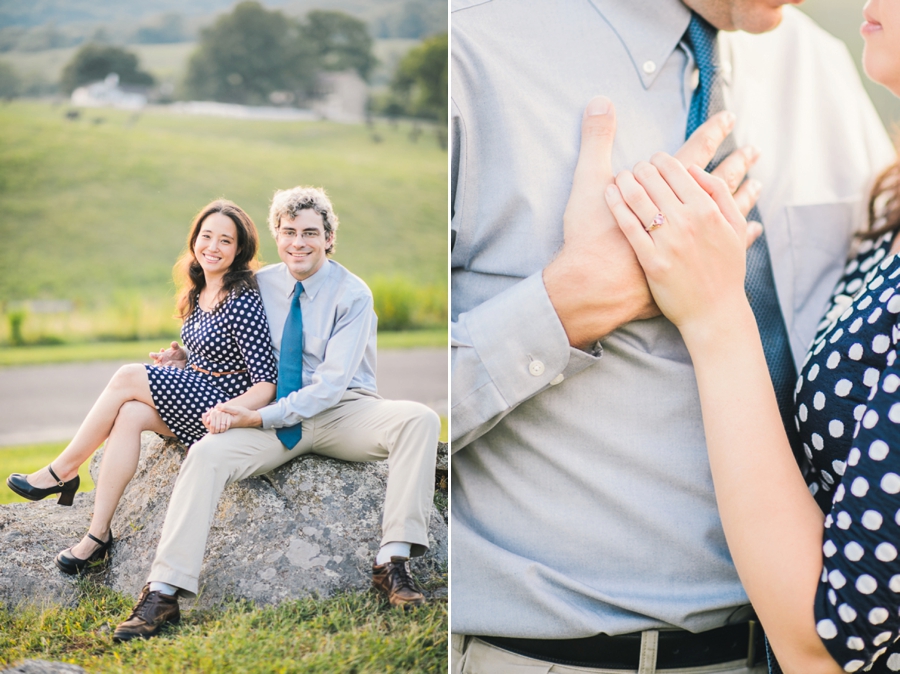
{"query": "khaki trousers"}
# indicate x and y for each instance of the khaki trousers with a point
(470, 655)
(361, 427)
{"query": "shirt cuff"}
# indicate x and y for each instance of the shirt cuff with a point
(521, 341)
(271, 416)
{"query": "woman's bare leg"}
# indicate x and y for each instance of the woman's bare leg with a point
(120, 460)
(130, 382)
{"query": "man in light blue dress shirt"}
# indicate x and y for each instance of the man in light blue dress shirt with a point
(584, 524)
(337, 399)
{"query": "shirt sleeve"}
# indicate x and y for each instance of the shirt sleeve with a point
(856, 608)
(250, 330)
(506, 349)
(344, 351)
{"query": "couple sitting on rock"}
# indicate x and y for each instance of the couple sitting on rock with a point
(239, 415)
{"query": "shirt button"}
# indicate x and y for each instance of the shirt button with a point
(536, 368)
(649, 67)
(557, 379)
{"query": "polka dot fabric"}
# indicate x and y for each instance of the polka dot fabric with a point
(848, 416)
(234, 338)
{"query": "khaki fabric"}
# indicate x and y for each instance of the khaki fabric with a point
(470, 655)
(361, 427)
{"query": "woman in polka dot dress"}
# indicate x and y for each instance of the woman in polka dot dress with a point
(819, 561)
(819, 556)
(227, 336)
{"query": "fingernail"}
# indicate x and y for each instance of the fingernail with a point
(729, 119)
(599, 105)
(754, 186)
(751, 153)
(611, 190)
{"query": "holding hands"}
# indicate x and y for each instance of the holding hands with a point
(596, 283)
(690, 236)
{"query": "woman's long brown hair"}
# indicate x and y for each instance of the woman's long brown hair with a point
(885, 202)
(189, 277)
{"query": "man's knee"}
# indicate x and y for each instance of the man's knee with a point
(210, 450)
(421, 416)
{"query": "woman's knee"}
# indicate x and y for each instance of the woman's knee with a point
(136, 413)
(129, 378)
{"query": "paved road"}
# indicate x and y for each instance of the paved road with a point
(46, 403)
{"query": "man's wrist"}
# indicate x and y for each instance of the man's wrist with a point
(584, 322)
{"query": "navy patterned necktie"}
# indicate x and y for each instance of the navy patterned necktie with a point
(290, 365)
(759, 283)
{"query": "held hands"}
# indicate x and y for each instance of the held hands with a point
(225, 415)
(596, 283)
(695, 261)
(174, 356)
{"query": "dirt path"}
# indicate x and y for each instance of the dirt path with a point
(46, 403)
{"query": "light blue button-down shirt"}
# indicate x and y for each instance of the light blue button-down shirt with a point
(339, 338)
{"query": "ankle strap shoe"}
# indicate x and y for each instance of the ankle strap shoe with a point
(72, 565)
(66, 490)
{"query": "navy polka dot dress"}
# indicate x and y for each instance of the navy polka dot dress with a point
(230, 350)
(848, 414)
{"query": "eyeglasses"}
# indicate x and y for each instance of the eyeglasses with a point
(306, 234)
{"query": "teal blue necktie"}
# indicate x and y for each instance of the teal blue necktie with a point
(759, 283)
(290, 365)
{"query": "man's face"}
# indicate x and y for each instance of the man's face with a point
(753, 16)
(302, 243)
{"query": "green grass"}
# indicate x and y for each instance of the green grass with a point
(137, 351)
(101, 205)
(27, 459)
(354, 632)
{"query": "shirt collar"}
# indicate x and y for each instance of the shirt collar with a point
(312, 284)
(650, 30)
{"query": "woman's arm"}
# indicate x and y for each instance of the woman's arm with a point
(695, 267)
(257, 396)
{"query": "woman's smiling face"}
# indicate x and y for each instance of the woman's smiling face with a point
(216, 244)
(881, 31)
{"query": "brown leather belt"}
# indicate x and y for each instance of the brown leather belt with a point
(677, 648)
(214, 374)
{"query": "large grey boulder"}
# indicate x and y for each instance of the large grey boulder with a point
(311, 527)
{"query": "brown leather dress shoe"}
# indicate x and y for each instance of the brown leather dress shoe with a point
(395, 580)
(153, 611)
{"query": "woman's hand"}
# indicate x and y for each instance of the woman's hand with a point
(695, 260)
(217, 420)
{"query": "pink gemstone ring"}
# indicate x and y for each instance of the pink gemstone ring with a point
(658, 221)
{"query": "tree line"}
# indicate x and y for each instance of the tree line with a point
(251, 53)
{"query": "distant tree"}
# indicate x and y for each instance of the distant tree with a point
(420, 82)
(94, 62)
(10, 84)
(165, 29)
(247, 54)
(416, 19)
(339, 41)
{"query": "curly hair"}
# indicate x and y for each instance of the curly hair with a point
(288, 203)
(188, 273)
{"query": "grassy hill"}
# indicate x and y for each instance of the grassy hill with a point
(96, 209)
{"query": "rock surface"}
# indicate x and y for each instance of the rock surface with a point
(44, 667)
(311, 527)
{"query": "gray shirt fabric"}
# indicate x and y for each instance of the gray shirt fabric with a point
(582, 500)
(339, 333)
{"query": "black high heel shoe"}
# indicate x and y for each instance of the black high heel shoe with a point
(66, 490)
(69, 563)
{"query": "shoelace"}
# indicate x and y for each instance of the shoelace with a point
(403, 575)
(136, 611)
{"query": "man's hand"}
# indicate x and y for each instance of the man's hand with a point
(241, 417)
(216, 421)
(174, 356)
(595, 282)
